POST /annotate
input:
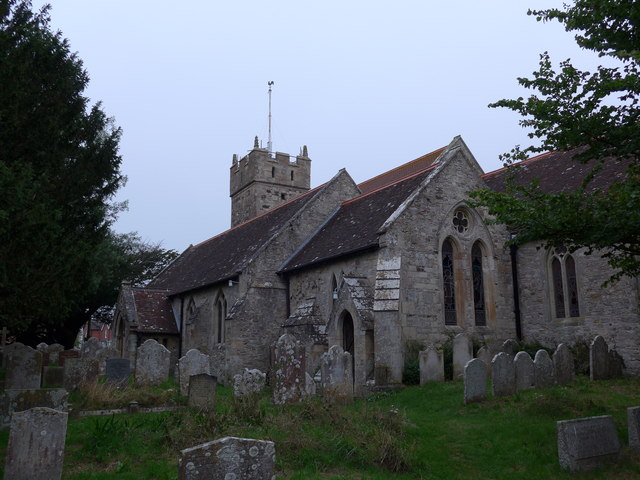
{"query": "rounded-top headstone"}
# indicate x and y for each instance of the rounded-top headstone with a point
(563, 365)
(504, 375)
(475, 381)
(525, 371)
(544, 370)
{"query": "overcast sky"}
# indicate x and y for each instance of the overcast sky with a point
(367, 85)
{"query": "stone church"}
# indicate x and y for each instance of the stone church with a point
(376, 267)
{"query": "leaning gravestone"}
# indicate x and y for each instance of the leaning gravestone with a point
(36, 444)
(510, 346)
(117, 371)
(504, 375)
(152, 363)
(202, 391)
(633, 424)
(563, 365)
(23, 367)
(587, 443)
(289, 370)
(193, 363)
(249, 382)
(78, 371)
(475, 381)
(598, 359)
(525, 372)
(543, 367)
(462, 353)
(229, 458)
(337, 375)
(20, 400)
(431, 365)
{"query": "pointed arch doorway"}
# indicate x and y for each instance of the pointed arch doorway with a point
(348, 340)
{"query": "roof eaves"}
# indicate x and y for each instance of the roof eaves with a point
(370, 246)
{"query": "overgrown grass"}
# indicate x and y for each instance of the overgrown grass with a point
(416, 433)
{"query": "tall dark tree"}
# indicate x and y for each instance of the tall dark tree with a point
(598, 111)
(59, 170)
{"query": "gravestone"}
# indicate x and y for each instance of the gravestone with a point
(633, 424)
(202, 391)
(36, 445)
(563, 365)
(229, 458)
(462, 353)
(23, 367)
(152, 363)
(544, 370)
(336, 368)
(587, 443)
(96, 350)
(484, 354)
(117, 371)
(62, 356)
(525, 372)
(77, 371)
(510, 347)
(249, 382)
(20, 400)
(431, 365)
(52, 377)
(193, 363)
(289, 370)
(504, 375)
(53, 352)
(475, 381)
(598, 359)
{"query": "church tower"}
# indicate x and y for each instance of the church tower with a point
(260, 181)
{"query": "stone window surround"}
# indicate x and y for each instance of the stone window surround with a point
(562, 258)
(219, 317)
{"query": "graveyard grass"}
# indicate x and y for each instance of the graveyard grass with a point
(416, 433)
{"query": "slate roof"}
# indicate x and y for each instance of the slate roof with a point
(354, 226)
(226, 255)
(557, 172)
(153, 312)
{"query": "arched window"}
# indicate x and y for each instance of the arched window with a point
(448, 284)
(334, 287)
(220, 315)
(478, 285)
(564, 284)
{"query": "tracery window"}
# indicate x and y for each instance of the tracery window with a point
(448, 284)
(460, 221)
(564, 284)
(478, 285)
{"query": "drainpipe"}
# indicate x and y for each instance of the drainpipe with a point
(288, 291)
(516, 294)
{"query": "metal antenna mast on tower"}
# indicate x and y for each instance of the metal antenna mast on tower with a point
(270, 83)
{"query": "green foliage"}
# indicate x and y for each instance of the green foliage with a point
(411, 371)
(599, 111)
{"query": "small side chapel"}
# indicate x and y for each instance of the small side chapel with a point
(376, 267)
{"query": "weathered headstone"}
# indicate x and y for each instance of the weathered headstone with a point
(525, 373)
(289, 370)
(431, 365)
(96, 350)
(62, 356)
(52, 377)
(475, 381)
(504, 375)
(544, 370)
(462, 353)
(510, 347)
(563, 365)
(193, 363)
(78, 371)
(633, 424)
(249, 382)
(53, 353)
(228, 458)
(20, 400)
(587, 443)
(598, 359)
(118, 371)
(36, 444)
(202, 391)
(337, 375)
(152, 363)
(484, 354)
(24, 367)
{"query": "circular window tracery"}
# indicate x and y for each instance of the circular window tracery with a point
(460, 221)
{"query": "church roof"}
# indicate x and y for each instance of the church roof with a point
(557, 172)
(225, 256)
(355, 226)
(152, 310)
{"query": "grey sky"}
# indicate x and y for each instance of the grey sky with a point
(367, 85)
